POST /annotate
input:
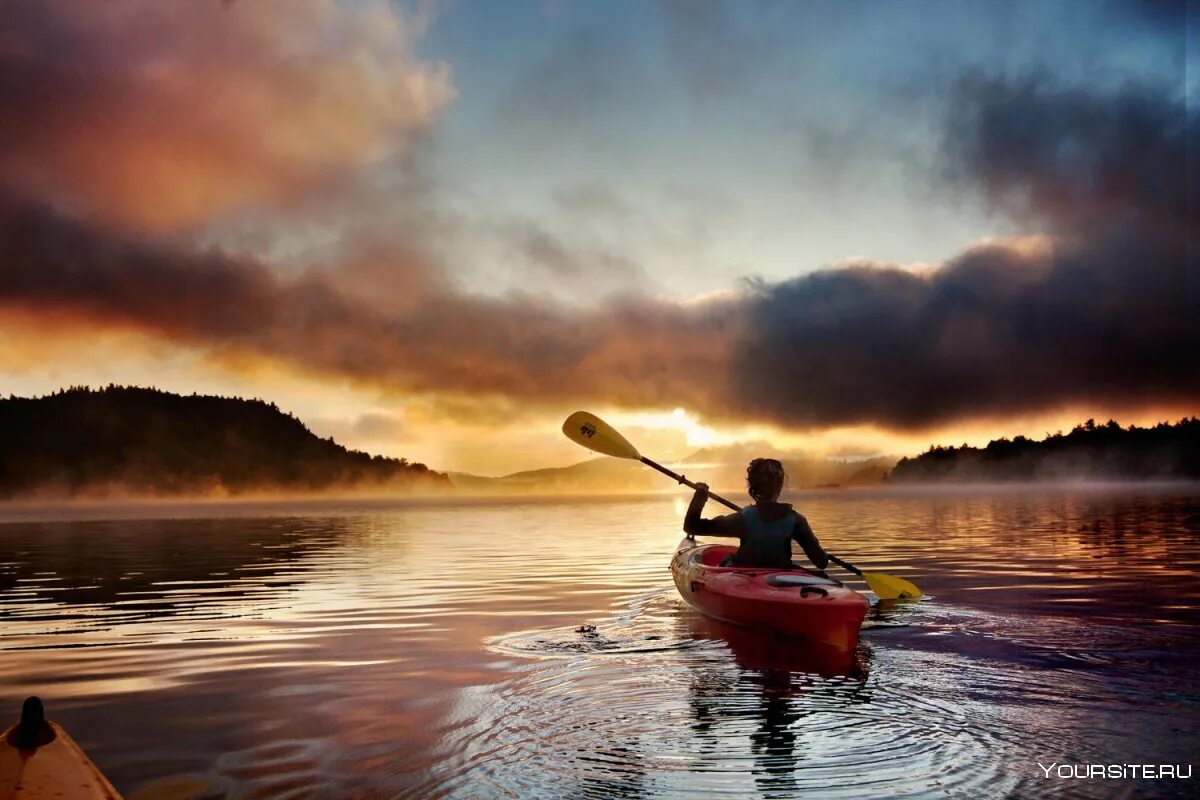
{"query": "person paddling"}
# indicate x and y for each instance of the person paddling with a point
(766, 529)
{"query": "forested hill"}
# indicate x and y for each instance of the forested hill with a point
(131, 441)
(1089, 451)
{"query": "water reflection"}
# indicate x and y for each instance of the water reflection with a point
(406, 651)
(780, 687)
(617, 771)
(151, 568)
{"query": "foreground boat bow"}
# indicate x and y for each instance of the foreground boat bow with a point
(39, 760)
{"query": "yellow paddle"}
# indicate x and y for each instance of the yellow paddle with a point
(596, 434)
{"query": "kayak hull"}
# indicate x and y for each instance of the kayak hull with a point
(767, 651)
(790, 602)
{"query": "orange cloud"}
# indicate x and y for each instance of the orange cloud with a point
(160, 115)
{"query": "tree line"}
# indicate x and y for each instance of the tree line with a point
(1163, 452)
(129, 440)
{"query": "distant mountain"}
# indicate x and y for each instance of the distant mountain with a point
(597, 475)
(132, 441)
(723, 468)
(1089, 451)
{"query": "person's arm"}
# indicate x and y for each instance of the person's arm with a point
(808, 540)
(694, 525)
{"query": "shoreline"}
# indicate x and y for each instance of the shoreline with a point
(83, 510)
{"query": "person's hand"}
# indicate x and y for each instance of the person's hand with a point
(702, 489)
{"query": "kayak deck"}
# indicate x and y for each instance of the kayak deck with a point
(791, 602)
(39, 760)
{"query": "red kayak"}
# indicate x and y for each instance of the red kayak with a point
(792, 602)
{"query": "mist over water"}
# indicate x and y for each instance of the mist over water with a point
(538, 649)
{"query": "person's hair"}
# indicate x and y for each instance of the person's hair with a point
(764, 479)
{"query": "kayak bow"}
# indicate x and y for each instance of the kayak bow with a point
(39, 760)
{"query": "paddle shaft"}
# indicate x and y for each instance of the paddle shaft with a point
(681, 479)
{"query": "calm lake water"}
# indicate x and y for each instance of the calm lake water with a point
(403, 650)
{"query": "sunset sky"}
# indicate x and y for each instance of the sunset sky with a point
(433, 230)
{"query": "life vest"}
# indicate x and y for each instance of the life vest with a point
(766, 544)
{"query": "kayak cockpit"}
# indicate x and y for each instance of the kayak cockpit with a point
(717, 556)
(713, 555)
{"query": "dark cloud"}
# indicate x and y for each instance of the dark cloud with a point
(1102, 307)
(1105, 308)
(1068, 159)
(1170, 14)
(49, 260)
(631, 350)
(1000, 328)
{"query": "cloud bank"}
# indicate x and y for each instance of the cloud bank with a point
(1104, 306)
(139, 129)
(161, 115)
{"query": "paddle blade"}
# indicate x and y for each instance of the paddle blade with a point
(594, 433)
(889, 587)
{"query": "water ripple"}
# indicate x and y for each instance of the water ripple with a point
(539, 650)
